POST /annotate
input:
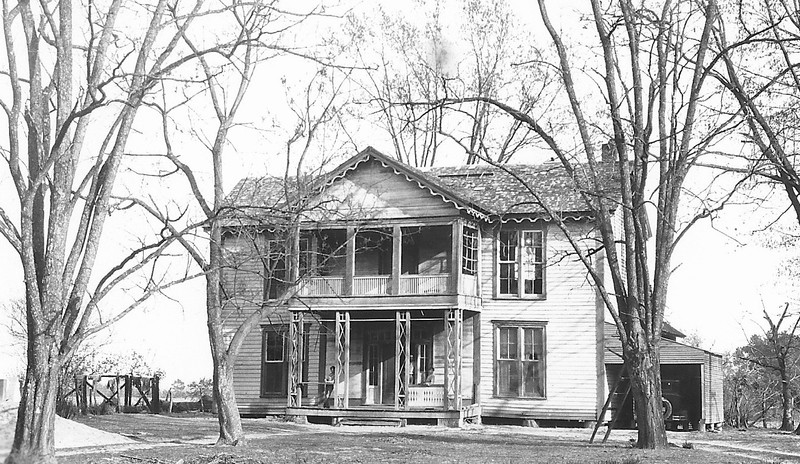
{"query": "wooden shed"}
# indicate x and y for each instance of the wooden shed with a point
(691, 382)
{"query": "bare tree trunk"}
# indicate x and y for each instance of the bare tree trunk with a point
(230, 422)
(646, 391)
(34, 439)
(787, 424)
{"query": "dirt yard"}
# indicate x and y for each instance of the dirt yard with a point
(168, 439)
(188, 439)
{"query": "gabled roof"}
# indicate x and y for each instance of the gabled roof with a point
(485, 191)
(668, 330)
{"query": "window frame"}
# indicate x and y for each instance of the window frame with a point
(470, 250)
(519, 265)
(283, 331)
(520, 327)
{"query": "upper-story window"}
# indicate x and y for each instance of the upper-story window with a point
(521, 263)
(469, 260)
(276, 270)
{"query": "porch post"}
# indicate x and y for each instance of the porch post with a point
(349, 261)
(456, 252)
(397, 239)
(453, 329)
(402, 360)
(295, 387)
(342, 393)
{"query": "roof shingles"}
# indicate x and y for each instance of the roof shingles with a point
(491, 190)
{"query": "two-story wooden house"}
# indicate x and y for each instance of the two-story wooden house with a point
(437, 295)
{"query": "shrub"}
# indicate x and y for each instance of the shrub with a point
(66, 409)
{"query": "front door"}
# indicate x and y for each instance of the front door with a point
(379, 374)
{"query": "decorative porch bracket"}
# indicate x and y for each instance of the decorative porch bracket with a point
(295, 387)
(402, 362)
(341, 387)
(453, 329)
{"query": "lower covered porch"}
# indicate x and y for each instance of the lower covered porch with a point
(417, 366)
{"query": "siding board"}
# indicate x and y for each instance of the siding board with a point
(569, 313)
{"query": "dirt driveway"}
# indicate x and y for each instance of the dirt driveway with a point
(170, 439)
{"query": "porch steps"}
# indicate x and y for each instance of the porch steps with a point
(384, 422)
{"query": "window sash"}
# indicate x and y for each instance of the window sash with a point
(469, 238)
(521, 263)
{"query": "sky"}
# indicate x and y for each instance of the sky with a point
(723, 274)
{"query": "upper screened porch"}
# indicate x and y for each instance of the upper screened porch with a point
(390, 260)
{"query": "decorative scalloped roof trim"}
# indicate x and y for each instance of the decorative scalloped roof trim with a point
(574, 217)
(422, 186)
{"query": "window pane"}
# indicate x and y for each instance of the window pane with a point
(508, 343)
(508, 246)
(273, 377)
(508, 378)
(533, 379)
(508, 279)
(532, 262)
(276, 269)
(527, 351)
(533, 362)
(274, 346)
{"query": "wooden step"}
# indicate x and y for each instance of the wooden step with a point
(387, 422)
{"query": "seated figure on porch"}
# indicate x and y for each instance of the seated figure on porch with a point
(428, 379)
(329, 380)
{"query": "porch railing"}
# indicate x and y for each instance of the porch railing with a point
(371, 285)
(424, 284)
(322, 286)
(414, 284)
(428, 396)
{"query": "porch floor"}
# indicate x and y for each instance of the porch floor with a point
(385, 412)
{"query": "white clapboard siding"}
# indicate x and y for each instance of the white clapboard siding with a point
(713, 390)
(570, 313)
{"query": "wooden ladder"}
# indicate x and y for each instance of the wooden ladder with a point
(607, 405)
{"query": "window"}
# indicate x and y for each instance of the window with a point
(273, 380)
(520, 365)
(275, 359)
(469, 261)
(521, 259)
(276, 272)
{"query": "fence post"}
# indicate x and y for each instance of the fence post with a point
(128, 392)
(156, 402)
(116, 388)
(84, 406)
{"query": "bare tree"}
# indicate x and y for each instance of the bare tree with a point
(765, 37)
(239, 221)
(75, 77)
(777, 351)
(409, 59)
(652, 79)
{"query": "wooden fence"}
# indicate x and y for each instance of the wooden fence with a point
(125, 393)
